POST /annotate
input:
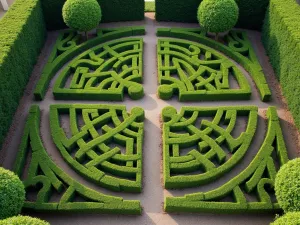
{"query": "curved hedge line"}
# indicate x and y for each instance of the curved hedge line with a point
(113, 10)
(281, 38)
(252, 12)
(22, 35)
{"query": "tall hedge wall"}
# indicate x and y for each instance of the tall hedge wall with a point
(252, 12)
(281, 38)
(112, 10)
(22, 35)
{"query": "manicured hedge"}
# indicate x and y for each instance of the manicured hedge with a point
(281, 38)
(22, 35)
(113, 10)
(259, 173)
(23, 220)
(252, 12)
(42, 170)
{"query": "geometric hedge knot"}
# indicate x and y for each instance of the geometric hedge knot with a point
(49, 188)
(197, 149)
(105, 72)
(101, 142)
(252, 190)
(197, 72)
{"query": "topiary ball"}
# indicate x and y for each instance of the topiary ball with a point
(292, 218)
(218, 15)
(287, 186)
(82, 15)
(12, 194)
(24, 220)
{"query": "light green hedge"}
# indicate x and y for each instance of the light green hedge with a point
(281, 38)
(22, 35)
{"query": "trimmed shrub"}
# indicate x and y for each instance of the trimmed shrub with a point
(292, 218)
(23, 220)
(281, 38)
(218, 16)
(12, 194)
(287, 186)
(252, 12)
(22, 35)
(82, 15)
(113, 10)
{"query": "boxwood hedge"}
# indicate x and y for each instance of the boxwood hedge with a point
(22, 35)
(281, 38)
(113, 10)
(252, 12)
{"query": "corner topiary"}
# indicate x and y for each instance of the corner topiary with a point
(292, 218)
(82, 15)
(218, 16)
(12, 194)
(287, 186)
(24, 220)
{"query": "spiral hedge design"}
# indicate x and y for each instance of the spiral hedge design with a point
(257, 179)
(93, 144)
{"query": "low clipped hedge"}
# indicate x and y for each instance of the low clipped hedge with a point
(12, 194)
(281, 38)
(288, 219)
(22, 35)
(23, 220)
(252, 12)
(113, 10)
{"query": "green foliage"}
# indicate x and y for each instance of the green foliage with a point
(106, 166)
(112, 11)
(207, 140)
(42, 171)
(118, 69)
(237, 47)
(68, 46)
(82, 15)
(257, 179)
(218, 16)
(281, 38)
(149, 6)
(251, 16)
(194, 62)
(23, 220)
(22, 35)
(12, 194)
(292, 218)
(287, 186)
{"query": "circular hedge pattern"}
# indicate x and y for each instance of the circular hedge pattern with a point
(218, 16)
(292, 218)
(24, 220)
(82, 15)
(287, 186)
(12, 194)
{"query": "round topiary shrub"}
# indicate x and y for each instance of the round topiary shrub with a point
(218, 16)
(24, 220)
(82, 15)
(12, 194)
(287, 186)
(292, 218)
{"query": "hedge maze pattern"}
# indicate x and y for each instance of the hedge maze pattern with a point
(197, 73)
(53, 188)
(236, 46)
(101, 142)
(256, 180)
(106, 71)
(214, 150)
(69, 44)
